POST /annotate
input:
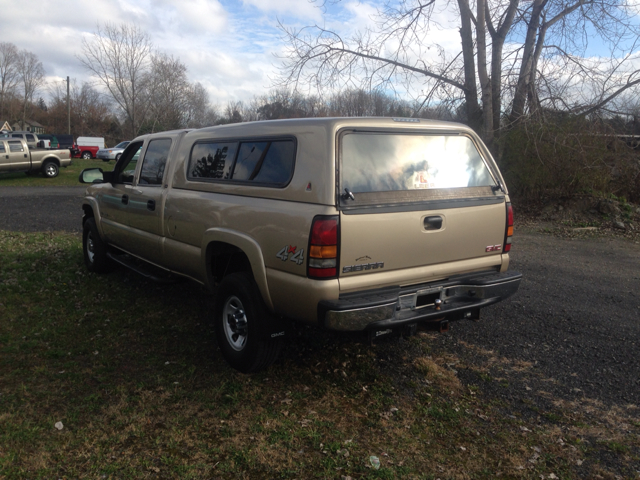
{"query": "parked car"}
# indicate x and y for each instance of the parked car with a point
(29, 137)
(65, 141)
(47, 141)
(16, 156)
(350, 224)
(87, 147)
(114, 153)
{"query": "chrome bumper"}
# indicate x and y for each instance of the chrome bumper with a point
(453, 299)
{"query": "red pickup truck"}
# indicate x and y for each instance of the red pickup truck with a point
(87, 147)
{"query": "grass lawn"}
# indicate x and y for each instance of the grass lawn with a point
(67, 176)
(115, 377)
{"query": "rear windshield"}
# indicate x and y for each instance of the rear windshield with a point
(384, 162)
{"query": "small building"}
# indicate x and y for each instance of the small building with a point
(29, 126)
(6, 127)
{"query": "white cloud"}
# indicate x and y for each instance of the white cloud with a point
(301, 9)
(192, 17)
(362, 15)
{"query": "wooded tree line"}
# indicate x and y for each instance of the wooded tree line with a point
(544, 82)
(521, 76)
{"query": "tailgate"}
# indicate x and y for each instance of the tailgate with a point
(376, 242)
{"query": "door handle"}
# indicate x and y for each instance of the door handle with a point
(125, 199)
(151, 205)
(433, 223)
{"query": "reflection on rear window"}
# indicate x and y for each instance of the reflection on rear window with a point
(373, 162)
(267, 162)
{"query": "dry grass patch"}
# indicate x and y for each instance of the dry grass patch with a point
(439, 375)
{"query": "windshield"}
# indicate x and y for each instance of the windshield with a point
(122, 145)
(381, 162)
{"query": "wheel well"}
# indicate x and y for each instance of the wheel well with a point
(88, 213)
(51, 159)
(224, 259)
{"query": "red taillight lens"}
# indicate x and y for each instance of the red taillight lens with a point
(324, 231)
(509, 229)
(323, 248)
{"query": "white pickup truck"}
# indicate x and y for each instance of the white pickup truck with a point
(16, 156)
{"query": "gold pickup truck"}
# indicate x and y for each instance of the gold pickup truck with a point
(350, 224)
(16, 156)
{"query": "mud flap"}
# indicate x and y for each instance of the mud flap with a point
(276, 327)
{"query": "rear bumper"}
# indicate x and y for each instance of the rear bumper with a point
(459, 297)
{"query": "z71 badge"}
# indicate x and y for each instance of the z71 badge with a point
(298, 255)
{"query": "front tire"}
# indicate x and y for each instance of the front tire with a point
(118, 157)
(94, 249)
(50, 169)
(242, 324)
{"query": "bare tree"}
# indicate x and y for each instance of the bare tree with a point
(90, 112)
(31, 77)
(199, 112)
(120, 57)
(8, 72)
(174, 101)
(400, 53)
(169, 93)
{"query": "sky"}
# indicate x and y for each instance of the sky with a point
(229, 46)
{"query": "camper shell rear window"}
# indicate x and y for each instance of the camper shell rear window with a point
(393, 167)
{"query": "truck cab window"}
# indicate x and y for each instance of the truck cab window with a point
(15, 146)
(155, 159)
(127, 165)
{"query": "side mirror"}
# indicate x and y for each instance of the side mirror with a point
(94, 175)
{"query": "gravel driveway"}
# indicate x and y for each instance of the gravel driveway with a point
(575, 321)
(35, 209)
(572, 330)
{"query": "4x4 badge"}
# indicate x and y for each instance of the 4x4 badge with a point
(298, 256)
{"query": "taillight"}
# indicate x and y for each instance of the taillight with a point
(509, 230)
(323, 248)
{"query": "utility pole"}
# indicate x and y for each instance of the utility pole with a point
(68, 109)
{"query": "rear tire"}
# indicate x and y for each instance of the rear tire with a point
(50, 169)
(243, 323)
(87, 155)
(94, 249)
